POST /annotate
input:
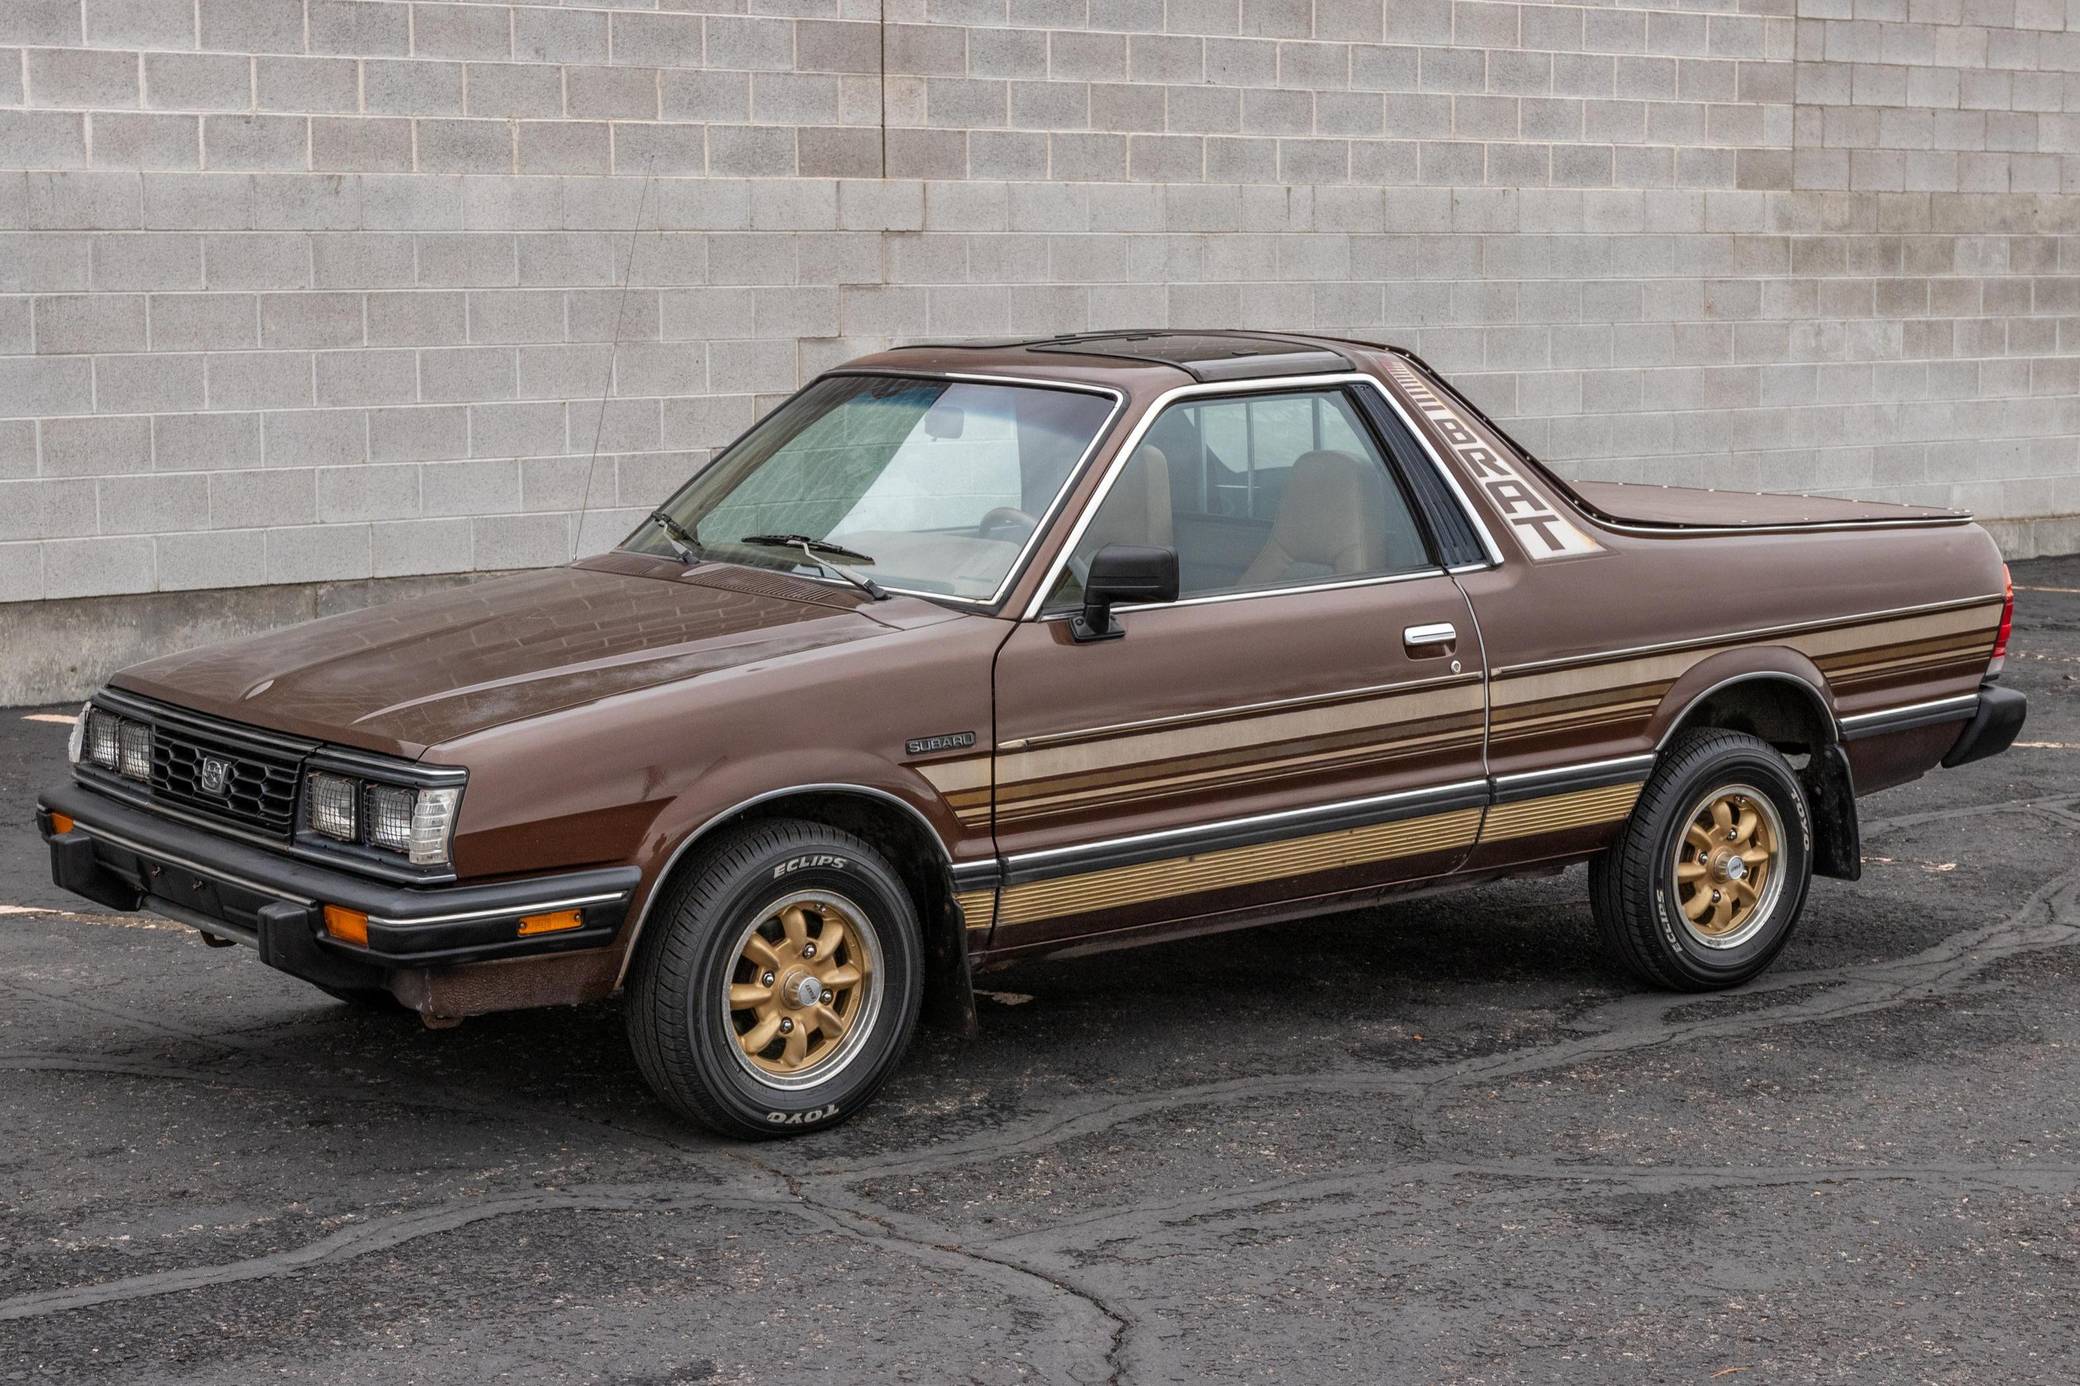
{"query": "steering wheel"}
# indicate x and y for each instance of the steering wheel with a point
(1007, 517)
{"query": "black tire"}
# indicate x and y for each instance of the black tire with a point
(684, 1034)
(1633, 891)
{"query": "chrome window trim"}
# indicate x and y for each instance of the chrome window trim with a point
(1679, 531)
(1472, 513)
(1268, 385)
(1025, 553)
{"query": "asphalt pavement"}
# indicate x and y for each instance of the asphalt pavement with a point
(1442, 1142)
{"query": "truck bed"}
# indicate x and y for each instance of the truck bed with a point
(1635, 506)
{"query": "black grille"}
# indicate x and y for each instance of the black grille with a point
(259, 790)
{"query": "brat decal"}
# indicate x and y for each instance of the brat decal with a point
(1540, 529)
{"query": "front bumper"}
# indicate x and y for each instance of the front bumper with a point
(130, 859)
(1993, 727)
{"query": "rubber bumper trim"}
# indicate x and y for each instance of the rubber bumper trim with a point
(1993, 727)
(128, 859)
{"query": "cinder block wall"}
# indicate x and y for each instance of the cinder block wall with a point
(298, 291)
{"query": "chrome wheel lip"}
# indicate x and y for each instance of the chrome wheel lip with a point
(860, 930)
(1772, 888)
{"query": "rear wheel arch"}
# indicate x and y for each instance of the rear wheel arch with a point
(891, 825)
(1789, 707)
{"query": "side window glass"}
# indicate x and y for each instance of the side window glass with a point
(1256, 492)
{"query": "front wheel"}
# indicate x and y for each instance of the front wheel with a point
(778, 982)
(1708, 876)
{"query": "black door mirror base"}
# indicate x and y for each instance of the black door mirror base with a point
(1123, 573)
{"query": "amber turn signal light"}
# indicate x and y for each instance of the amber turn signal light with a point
(60, 823)
(348, 926)
(554, 923)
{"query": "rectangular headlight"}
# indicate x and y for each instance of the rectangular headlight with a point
(329, 805)
(101, 738)
(134, 749)
(389, 809)
(433, 823)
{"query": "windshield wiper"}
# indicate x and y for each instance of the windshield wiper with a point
(683, 540)
(811, 548)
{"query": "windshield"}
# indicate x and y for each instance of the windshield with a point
(928, 485)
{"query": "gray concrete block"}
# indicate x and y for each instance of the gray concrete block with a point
(315, 438)
(462, 31)
(366, 377)
(307, 84)
(135, 384)
(124, 140)
(67, 323)
(79, 78)
(255, 142)
(44, 139)
(566, 36)
(52, 22)
(150, 504)
(120, 446)
(421, 434)
(187, 562)
(664, 40)
(252, 26)
(196, 442)
(198, 81)
(402, 547)
(360, 144)
(317, 553)
(360, 28)
(349, 494)
(259, 380)
(411, 88)
(95, 567)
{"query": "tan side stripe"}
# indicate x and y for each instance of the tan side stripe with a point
(1237, 866)
(1558, 812)
(1034, 800)
(975, 907)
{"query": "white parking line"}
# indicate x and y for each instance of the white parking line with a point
(61, 718)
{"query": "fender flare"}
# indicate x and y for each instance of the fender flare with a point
(714, 821)
(1721, 672)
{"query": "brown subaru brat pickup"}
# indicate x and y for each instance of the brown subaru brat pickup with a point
(983, 651)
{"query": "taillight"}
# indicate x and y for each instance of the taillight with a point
(2000, 641)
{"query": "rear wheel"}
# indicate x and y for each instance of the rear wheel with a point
(778, 982)
(1708, 877)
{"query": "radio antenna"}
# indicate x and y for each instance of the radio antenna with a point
(599, 420)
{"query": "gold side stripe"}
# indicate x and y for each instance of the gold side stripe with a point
(1039, 805)
(1559, 812)
(976, 907)
(1237, 866)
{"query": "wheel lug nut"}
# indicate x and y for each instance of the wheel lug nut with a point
(765, 979)
(808, 950)
(786, 1025)
(826, 997)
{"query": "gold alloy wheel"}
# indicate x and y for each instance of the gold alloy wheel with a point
(804, 989)
(1727, 867)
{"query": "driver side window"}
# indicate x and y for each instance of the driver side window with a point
(1256, 492)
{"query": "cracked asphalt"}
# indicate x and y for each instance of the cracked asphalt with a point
(1437, 1143)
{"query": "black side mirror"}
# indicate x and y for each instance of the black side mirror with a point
(1123, 573)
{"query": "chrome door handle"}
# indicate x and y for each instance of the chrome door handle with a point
(1441, 634)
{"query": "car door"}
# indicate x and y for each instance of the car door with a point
(1304, 722)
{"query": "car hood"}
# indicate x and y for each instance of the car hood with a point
(403, 677)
